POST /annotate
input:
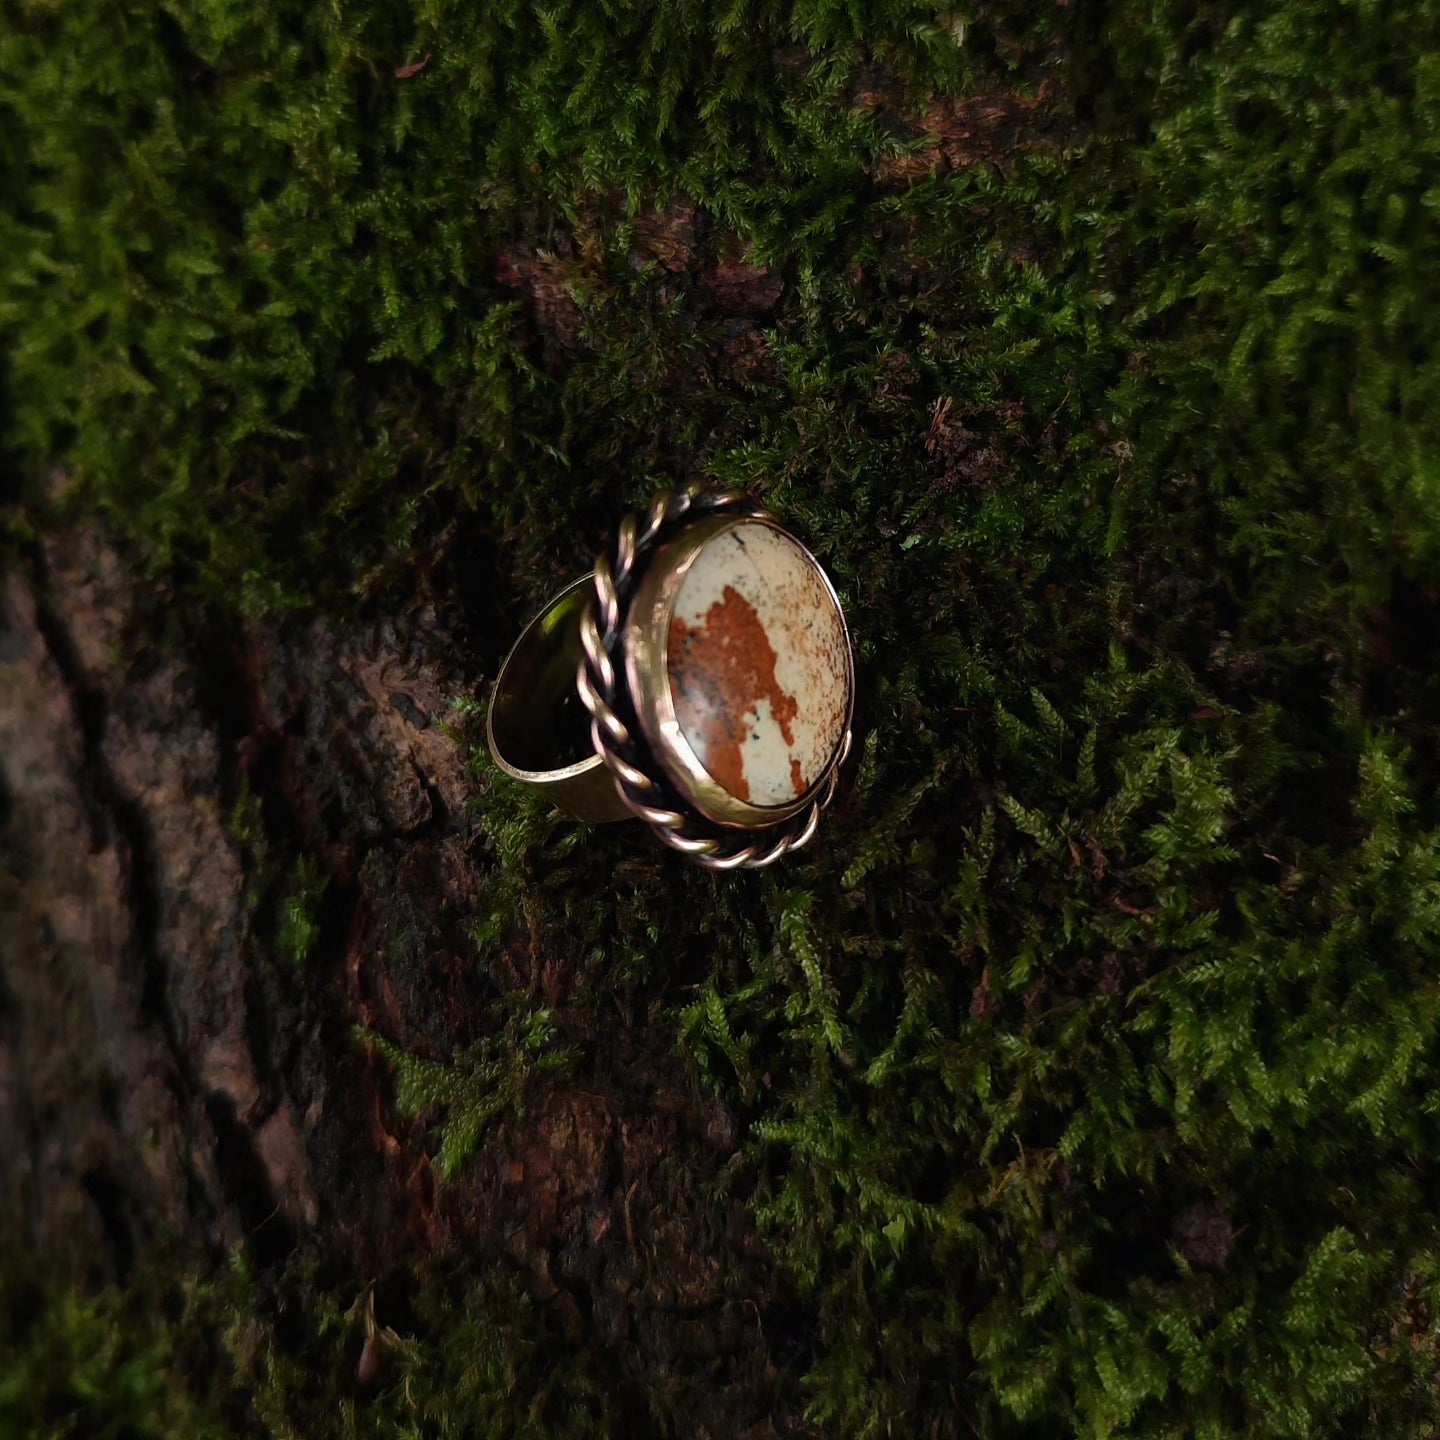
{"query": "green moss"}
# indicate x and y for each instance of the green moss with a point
(299, 925)
(242, 1355)
(484, 1082)
(106, 1365)
(246, 823)
(475, 1358)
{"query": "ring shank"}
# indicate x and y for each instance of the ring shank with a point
(538, 731)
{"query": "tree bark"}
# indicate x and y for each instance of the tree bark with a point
(172, 1084)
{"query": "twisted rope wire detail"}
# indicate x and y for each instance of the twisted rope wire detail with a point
(613, 728)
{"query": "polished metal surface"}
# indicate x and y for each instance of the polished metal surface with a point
(538, 730)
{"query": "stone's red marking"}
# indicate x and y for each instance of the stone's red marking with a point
(797, 778)
(720, 671)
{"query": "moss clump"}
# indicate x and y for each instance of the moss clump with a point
(484, 1082)
(101, 1366)
(245, 1355)
(299, 927)
(470, 1355)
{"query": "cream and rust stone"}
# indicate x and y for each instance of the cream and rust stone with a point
(758, 665)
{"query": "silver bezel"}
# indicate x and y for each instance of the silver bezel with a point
(644, 641)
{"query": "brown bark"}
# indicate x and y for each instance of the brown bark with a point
(170, 1085)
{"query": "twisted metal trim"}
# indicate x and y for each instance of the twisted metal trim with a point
(613, 727)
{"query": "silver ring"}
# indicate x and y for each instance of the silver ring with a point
(711, 658)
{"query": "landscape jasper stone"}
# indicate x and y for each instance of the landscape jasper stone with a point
(758, 664)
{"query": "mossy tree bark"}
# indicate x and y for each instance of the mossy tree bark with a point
(184, 1007)
(1081, 1080)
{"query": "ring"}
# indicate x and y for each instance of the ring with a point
(701, 680)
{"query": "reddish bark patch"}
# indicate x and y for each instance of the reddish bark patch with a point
(1204, 1235)
(668, 237)
(720, 671)
(975, 447)
(745, 351)
(544, 278)
(743, 289)
(990, 128)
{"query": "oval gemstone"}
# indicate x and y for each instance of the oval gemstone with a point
(758, 664)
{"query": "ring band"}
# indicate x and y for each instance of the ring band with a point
(702, 680)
